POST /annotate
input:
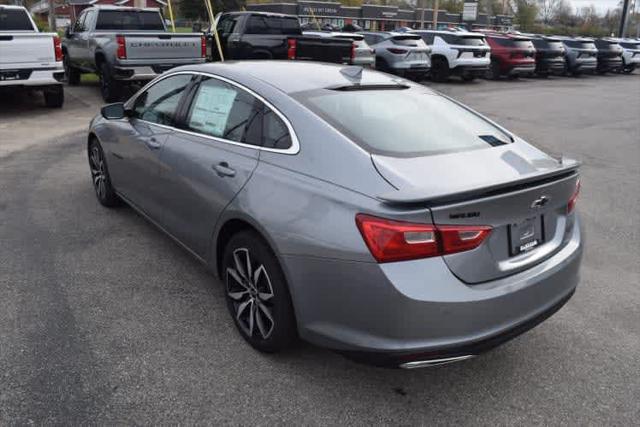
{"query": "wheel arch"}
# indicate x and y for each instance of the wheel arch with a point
(229, 227)
(439, 57)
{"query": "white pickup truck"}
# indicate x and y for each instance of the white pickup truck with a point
(29, 59)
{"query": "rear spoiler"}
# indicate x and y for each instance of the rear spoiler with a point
(566, 167)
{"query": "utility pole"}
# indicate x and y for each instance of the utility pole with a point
(424, 5)
(623, 18)
(435, 14)
(52, 16)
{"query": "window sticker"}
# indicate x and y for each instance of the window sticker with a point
(211, 109)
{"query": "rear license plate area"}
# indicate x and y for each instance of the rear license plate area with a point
(10, 75)
(526, 235)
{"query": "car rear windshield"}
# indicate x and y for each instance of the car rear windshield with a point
(402, 122)
(520, 44)
(407, 40)
(129, 20)
(630, 45)
(259, 24)
(464, 41)
(14, 20)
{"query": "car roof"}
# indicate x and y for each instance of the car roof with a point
(261, 13)
(292, 76)
(11, 6)
(113, 7)
(454, 33)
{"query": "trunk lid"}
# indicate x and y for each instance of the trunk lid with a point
(24, 50)
(517, 190)
(161, 46)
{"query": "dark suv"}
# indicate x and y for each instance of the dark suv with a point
(512, 55)
(609, 55)
(549, 55)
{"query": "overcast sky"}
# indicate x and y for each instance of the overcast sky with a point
(601, 5)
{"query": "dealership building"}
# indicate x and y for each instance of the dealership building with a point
(378, 17)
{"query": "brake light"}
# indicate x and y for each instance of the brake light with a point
(353, 51)
(121, 53)
(292, 44)
(574, 198)
(390, 240)
(396, 50)
(57, 48)
(203, 46)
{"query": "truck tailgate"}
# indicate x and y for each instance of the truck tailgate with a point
(23, 50)
(163, 46)
(324, 49)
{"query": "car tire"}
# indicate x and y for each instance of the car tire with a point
(100, 176)
(54, 96)
(109, 87)
(73, 74)
(493, 73)
(259, 302)
(440, 70)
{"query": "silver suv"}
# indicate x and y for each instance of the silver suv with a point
(403, 54)
(581, 55)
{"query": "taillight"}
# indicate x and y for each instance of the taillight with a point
(292, 44)
(57, 48)
(396, 50)
(121, 53)
(390, 240)
(353, 51)
(574, 198)
(203, 46)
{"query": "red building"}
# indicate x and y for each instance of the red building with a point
(68, 10)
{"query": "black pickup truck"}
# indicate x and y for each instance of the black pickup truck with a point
(260, 35)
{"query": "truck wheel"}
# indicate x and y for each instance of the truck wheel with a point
(109, 87)
(54, 96)
(440, 70)
(72, 73)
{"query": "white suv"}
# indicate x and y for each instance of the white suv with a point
(459, 53)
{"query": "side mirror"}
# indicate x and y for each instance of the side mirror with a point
(68, 32)
(114, 111)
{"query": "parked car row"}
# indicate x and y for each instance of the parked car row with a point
(128, 45)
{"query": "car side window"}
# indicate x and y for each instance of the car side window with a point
(78, 27)
(275, 133)
(159, 103)
(227, 24)
(89, 20)
(222, 110)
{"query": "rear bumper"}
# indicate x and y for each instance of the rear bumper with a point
(388, 314)
(550, 65)
(130, 72)
(609, 64)
(32, 78)
(521, 69)
(471, 70)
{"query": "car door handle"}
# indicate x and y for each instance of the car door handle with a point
(223, 169)
(152, 143)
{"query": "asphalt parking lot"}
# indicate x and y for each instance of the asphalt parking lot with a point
(103, 319)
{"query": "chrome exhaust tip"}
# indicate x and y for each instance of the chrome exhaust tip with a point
(435, 362)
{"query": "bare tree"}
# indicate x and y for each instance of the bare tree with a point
(548, 9)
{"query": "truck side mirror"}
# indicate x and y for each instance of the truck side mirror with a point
(68, 32)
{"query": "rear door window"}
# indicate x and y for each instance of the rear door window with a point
(222, 110)
(14, 20)
(159, 104)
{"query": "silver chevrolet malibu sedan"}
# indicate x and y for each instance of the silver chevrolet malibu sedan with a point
(353, 209)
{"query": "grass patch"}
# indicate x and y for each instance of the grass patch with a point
(90, 78)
